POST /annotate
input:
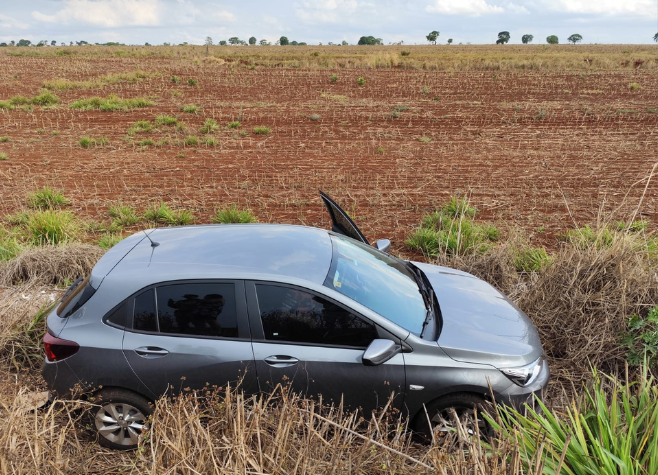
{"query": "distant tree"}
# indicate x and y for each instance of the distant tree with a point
(433, 35)
(449, 41)
(252, 40)
(166, 44)
(552, 40)
(62, 44)
(302, 43)
(655, 37)
(53, 43)
(222, 43)
(81, 43)
(294, 43)
(23, 43)
(345, 43)
(71, 44)
(525, 39)
(147, 44)
(575, 38)
(264, 42)
(234, 40)
(208, 41)
(370, 40)
(12, 43)
(283, 41)
(503, 37)
(42, 43)
(3, 45)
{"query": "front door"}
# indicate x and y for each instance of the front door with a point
(316, 346)
(192, 334)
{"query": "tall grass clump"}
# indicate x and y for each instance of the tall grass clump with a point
(10, 245)
(123, 215)
(233, 214)
(88, 142)
(262, 130)
(165, 120)
(110, 103)
(141, 126)
(452, 230)
(51, 227)
(47, 198)
(162, 214)
(45, 99)
(612, 431)
(108, 240)
(190, 108)
(209, 126)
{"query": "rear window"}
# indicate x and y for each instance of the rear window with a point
(75, 297)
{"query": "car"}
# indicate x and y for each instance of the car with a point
(258, 305)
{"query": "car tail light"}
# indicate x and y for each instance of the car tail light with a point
(58, 349)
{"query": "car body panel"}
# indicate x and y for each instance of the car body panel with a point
(479, 323)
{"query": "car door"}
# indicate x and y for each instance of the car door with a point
(341, 223)
(190, 334)
(315, 345)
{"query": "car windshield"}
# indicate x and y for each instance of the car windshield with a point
(380, 282)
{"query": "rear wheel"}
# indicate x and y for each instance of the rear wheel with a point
(119, 418)
(446, 413)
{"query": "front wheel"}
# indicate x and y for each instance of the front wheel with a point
(445, 413)
(119, 418)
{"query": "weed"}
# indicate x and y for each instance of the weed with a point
(634, 86)
(191, 141)
(175, 79)
(191, 82)
(361, 81)
(532, 259)
(209, 126)
(233, 214)
(234, 125)
(141, 126)
(109, 240)
(123, 215)
(641, 340)
(210, 141)
(145, 143)
(333, 78)
(88, 142)
(424, 139)
(456, 207)
(6, 105)
(405, 53)
(190, 108)
(165, 120)
(587, 237)
(426, 90)
(19, 101)
(4, 139)
(10, 245)
(262, 130)
(162, 214)
(49, 226)
(4, 156)
(541, 114)
(110, 103)
(45, 99)
(400, 108)
(55, 133)
(46, 198)
(381, 151)
(395, 114)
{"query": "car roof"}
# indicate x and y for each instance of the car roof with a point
(222, 251)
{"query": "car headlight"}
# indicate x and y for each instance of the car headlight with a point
(524, 375)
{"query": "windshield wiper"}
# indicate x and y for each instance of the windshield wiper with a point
(427, 293)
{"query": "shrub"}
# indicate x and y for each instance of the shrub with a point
(110, 103)
(52, 227)
(262, 130)
(613, 430)
(361, 81)
(108, 240)
(234, 125)
(209, 126)
(165, 120)
(190, 108)
(46, 198)
(191, 82)
(233, 214)
(123, 215)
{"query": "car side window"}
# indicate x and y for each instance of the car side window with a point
(293, 315)
(144, 318)
(203, 309)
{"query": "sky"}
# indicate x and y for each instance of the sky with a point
(323, 21)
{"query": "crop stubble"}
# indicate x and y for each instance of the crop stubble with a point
(521, 143)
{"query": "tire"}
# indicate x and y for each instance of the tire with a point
(118, 417)
(442, 411)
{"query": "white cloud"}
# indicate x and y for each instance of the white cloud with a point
(514, 8)
(328, 11)
(227, 17)
(9, 23)
(106, 13)
(645, 8)
(463, 7)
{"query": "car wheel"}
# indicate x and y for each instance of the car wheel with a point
(444, 413)
(119, 418)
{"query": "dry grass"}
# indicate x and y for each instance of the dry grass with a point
(50, 265)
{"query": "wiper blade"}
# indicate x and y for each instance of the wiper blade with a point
(427, 293)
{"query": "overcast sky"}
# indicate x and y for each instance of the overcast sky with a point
(314, 21)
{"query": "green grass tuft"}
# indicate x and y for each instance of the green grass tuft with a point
(141, 126)
(233, 214)
(108, 240)
(190, 108)
(234, 125)
(165, 120)
(4, 156)
(52, 227)
(262, 130)
(533, 259)
(10, 245)
(162, 214)
(46, 198)
(209, 126)
(123, 215)
(110, 103)
(88, 142)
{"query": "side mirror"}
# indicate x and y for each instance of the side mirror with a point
(380, 351)
(383, 245)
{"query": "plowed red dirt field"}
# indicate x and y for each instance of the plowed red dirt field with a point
(542, 149)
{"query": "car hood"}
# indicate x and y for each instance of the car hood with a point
(481, 325)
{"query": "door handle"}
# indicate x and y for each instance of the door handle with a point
(280, 361)
(151, 352)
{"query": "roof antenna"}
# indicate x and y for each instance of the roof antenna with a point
(153, 243)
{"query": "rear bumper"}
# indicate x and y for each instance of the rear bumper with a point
(60, 378)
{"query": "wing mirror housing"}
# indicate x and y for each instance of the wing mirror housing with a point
(380, 351)
(383, 245)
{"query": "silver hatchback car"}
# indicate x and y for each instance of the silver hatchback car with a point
(262, 304)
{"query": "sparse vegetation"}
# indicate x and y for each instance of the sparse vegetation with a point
(233, 214)
(361, 81)
(141, 126)
(262, 130)
(88, 142)
(110, 103)
(51, 227)
(209, 126)
(166, 120)
(190, 108)
(162, 214)
(47, 198)
(123, 215)
(4, 156)
(234, 125)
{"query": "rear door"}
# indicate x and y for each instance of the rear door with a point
(341, 222)
(315, 345)
(190, 334)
